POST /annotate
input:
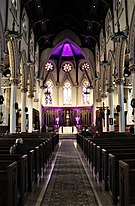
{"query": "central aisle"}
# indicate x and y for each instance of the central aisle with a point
(69, 184)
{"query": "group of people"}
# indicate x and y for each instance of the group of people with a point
(19, 147)
(92, 132)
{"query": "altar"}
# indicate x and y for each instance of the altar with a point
(67, 130)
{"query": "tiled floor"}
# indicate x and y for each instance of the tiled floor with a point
(68, 175)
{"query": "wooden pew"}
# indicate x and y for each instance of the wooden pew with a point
(31, 171)
(36, 164)
(105, 163)
(127, 182)
(113, 175)
(22, 175)
(105, 141)
(101, 157)
(108, 144)
(41, 152)
(8, 184)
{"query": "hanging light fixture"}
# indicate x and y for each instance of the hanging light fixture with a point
(117, 36)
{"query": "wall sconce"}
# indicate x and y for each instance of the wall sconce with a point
(133, 103)
(127, 72)
(1, 99)
(6, 73)
(16, 105)
(26, 109)
(118, 108)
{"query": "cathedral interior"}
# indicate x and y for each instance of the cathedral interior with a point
(67, 64)
(67, 67)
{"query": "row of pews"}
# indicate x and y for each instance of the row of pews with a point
(112, 161)
(19, 174)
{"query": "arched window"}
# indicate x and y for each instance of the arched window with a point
(85, 92)
(48, 92)
(67, 93)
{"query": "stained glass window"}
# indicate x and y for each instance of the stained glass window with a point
(67, 93)
(85, 92)
(48, 92)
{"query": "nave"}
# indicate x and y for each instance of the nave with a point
(68, 180)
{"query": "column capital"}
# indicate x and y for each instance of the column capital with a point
(98, 100)
(31, 95)
(14, 81)
(119, 81)
(110, 90)
(132, 68)
(11, 35)
(24, 90)
(103, 95)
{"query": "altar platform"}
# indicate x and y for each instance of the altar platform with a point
(67, 130)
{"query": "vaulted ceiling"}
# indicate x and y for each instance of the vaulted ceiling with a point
(84, 17)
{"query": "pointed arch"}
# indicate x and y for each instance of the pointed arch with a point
(1, 42)
(23, 71)
(67, 77)
(132, 38)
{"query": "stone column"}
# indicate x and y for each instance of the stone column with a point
(111, 117)
(1, 95)
(23, 113)
(0, 81)
(12, 107)
(104, 120)
(120, 88)
(12, 40)
(12, 37)
(30, 126)
(58, 86)
(30, 96)
(132, 69)
(119, 39)
(40, 108)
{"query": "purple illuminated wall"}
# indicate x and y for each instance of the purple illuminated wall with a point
(67, 50)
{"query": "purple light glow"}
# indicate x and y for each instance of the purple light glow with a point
(68, 108)
(57, 51)
(67, 50)
(76, 50)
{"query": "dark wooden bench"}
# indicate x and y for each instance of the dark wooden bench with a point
(8, 184)
(113, 174)
(105, 163)
(101, 156)
(22, 175)
(105, 141)
(127, 182)
(36, 163)
(96, 156)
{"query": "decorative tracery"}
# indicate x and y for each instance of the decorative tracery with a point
(67, 93)
(85, 92)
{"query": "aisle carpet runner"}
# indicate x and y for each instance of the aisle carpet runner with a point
(69, 185)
